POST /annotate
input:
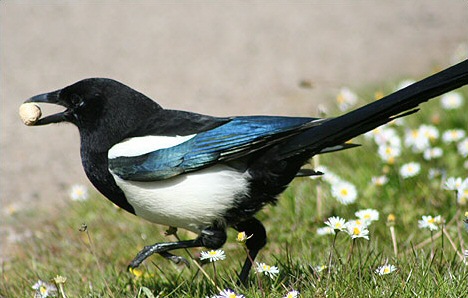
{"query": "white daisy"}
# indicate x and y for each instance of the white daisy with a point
(344, 192)
(379, 180)
(368, 215)
(394, 141)
(416, 139)
(453, 135)
(451, 100)
(292, 294)
(325, 231)
(44, 289)
(433, 153)
(79, 192)
(213, 255)
(319, 268)
(228, 294)
(11, 209)
(357, 231)
(336, 223)
(462, 193)
(346, 99)
(270, 271)
(429, 131)
(453, 183)
(388, 153)
(410, 169)
(242, 237)
(361, 223)
(370, 135)
(429, 222)
(398, 122)
(463, 147)
(385, 269)
(386, 136)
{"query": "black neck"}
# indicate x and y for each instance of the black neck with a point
(96, 168)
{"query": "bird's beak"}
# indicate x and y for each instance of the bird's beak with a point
(50, 98)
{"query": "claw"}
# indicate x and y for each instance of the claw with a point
(176, 259)
(171, 231)
(162, 249)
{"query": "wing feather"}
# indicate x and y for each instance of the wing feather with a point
(239, 137)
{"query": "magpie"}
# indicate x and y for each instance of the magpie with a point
(203, 173)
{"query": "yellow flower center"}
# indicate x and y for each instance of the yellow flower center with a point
(463, 200)
(378, 95)
(356, 231)
(428, 134)
(43, 289)
(386, 270)
(344, 192)
(340, 98)
(11, 209)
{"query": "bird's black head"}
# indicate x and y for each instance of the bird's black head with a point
(93, 102)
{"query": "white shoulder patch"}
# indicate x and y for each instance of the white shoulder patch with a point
(142, 145)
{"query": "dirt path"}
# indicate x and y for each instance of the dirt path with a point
(214, 59)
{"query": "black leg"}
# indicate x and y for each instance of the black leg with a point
(171, 257)
(211, 238)
(252, 227)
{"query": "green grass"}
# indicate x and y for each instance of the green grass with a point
(94, 261)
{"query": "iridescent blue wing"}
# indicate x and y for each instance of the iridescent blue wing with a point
(237, 138)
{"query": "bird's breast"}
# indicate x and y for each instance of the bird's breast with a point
(192, 201)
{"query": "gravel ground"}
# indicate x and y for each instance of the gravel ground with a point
(221, 59)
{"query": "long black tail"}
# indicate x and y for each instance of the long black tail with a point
(336, 131)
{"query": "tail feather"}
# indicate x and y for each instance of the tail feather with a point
(336, 131)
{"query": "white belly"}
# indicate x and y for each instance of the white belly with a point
(192, 201)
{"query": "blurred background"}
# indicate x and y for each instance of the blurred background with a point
(221, 59)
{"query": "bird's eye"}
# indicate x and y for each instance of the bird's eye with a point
(75, 99)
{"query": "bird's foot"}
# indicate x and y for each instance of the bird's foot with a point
(141, 256)
(171, 231)
(163, 249)
(210, 238)
(175, 259)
